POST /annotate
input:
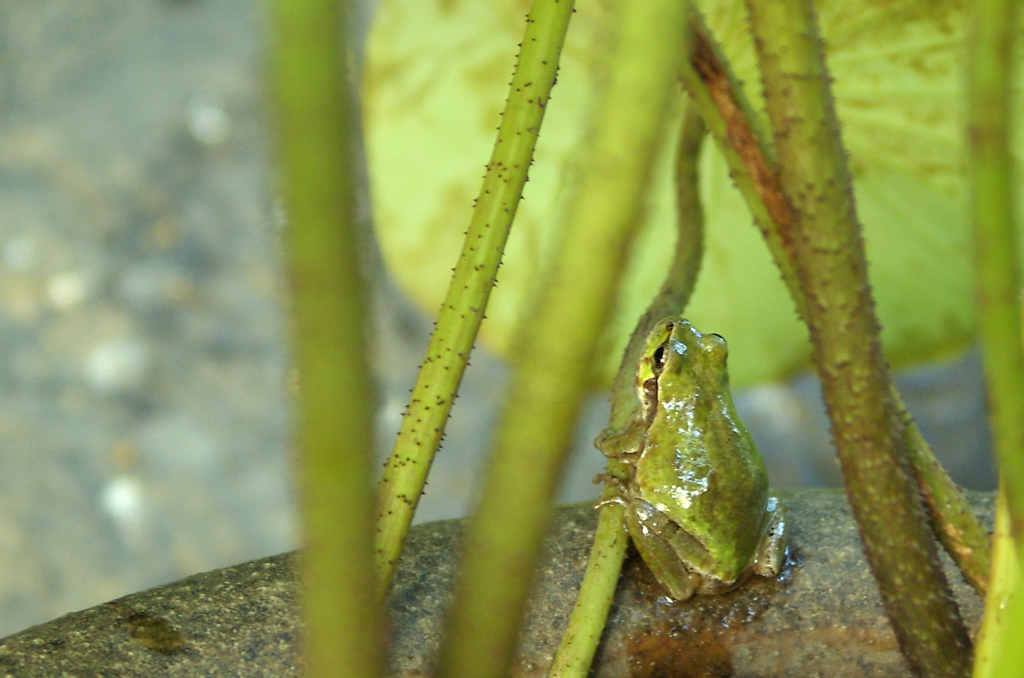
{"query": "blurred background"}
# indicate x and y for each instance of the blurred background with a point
(144, 407)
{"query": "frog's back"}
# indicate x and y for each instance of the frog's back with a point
(711, 483)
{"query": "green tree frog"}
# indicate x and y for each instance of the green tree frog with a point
(696, 501)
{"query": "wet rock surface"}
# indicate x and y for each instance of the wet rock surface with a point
(821, 616)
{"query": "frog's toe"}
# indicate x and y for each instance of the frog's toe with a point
(769, 562)
(683, 588)
(611, 500)
(608, 478)
(617, 484)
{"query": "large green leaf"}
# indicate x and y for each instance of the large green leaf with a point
(436, 77)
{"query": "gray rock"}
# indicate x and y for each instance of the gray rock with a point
(822, 615)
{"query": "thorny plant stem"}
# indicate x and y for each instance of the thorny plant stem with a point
(830, 263)
(556, 350)
(733, 124)
(463, 307)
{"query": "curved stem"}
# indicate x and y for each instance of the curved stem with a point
(830, 263)
(730, 117)
(583, 632)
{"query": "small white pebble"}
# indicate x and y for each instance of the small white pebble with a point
(117, 366)
(123, 498)
(66, 290)
(208, 123)
(19, 253)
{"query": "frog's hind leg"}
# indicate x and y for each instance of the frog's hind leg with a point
(771, 552)
(661, 558)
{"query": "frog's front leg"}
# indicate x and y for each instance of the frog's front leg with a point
(771, 552)
(620, 490)
(648, 528)
(622, 444)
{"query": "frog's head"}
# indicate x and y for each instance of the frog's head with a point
(679, 362)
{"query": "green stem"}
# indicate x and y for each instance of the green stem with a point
(732, 122)
(335, 418)
(952, 519)
(583, 632)
(830, 263)
(995, 241)
(997, 653)
(558, 345)
(682, 274)
(991, 167)
(597, 590)
(464, 304)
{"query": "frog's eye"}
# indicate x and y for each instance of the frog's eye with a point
(715, 347)
(658, 359)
